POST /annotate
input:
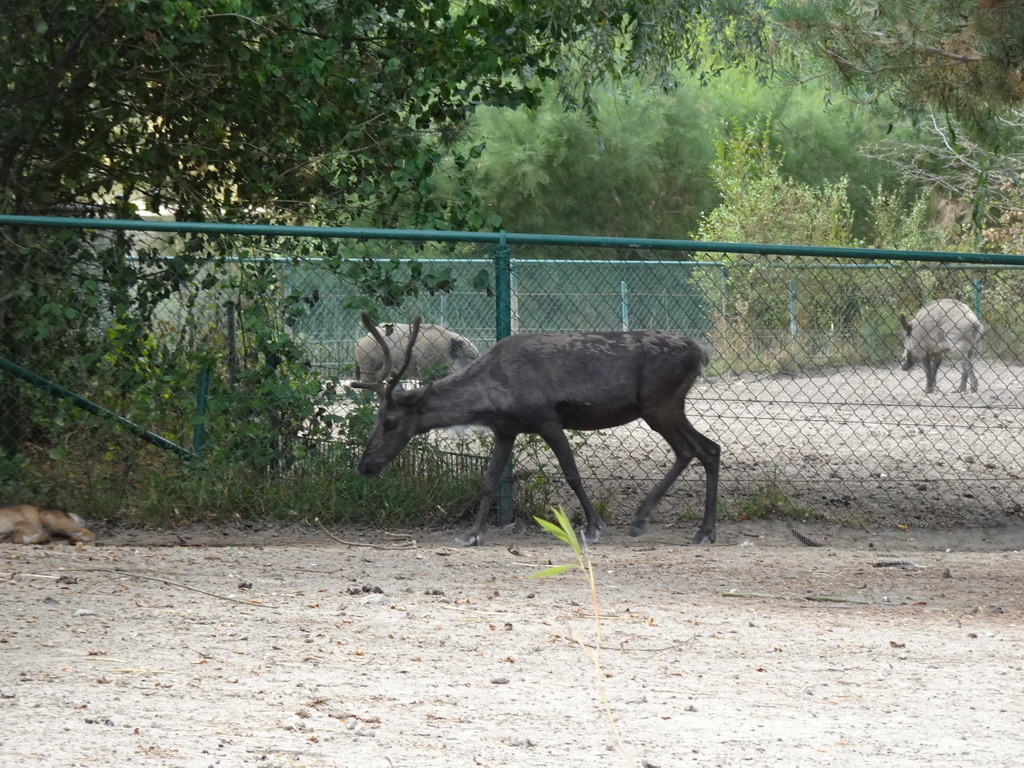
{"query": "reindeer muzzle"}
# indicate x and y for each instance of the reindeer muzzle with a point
(368, 468)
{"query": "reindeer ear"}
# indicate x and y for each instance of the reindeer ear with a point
(408, 396)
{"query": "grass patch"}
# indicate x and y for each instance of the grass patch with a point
(767, 501)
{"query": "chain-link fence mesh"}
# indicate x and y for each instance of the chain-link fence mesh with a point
(242, 360)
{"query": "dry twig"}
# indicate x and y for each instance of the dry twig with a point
(168, 582)
(410, 544)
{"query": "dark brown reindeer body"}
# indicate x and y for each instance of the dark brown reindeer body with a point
(545, 384)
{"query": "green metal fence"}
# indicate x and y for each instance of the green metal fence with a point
(804, 393)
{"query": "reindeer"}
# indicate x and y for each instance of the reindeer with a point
(544, 384)
(940, 328)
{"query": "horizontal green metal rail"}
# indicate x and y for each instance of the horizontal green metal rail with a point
(507, 238)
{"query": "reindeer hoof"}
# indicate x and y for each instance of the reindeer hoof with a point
(591, 536)
(640, 524)
(705, 538)
(470, 539)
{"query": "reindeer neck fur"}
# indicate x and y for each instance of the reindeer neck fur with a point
(461, 398)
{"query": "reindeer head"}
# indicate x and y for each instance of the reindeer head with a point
(395, 424)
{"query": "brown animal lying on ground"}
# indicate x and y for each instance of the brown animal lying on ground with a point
(29, 524)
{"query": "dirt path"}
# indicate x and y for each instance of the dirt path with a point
(725, 655)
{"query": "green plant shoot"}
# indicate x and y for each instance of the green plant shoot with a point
(562, 530)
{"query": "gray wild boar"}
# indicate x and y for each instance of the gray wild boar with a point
(436, 352)
(942, 328)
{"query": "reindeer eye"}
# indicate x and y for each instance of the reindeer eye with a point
(389, 424)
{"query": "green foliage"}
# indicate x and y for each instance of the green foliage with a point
(761, 205)
(562, 530)
(973, 182)
(296, 109)
(389, 282)
(822, 318)
(249, 470)
(275, 427)
(546, 170)
(642, 168)
(912, 227)
(249, 110)
(953, 57)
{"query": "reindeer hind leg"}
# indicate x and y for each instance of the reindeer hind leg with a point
(688, 444)
(643, 513)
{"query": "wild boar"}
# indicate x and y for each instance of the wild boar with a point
(939, 329)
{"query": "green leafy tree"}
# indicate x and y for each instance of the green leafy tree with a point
(974, 183)
(953, 69)
(251, 110)
(964, 58)
(762, 205)
(642, 168)
(637, 171)
(300, 107)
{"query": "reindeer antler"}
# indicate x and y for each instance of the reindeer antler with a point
(376, 386)
(413, 333)
(386, 384)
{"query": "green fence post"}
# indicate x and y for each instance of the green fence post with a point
(503, 327)
(202, 396)
(792, 320)
(624, 305)
(502, 289)
(977, 307)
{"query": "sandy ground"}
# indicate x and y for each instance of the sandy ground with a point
(286, 648)
(898, 642)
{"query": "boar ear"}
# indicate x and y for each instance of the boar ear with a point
(459, 347)
(904, 323)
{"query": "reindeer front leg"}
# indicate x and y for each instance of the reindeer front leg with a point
(499, 459)
(555, 437)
